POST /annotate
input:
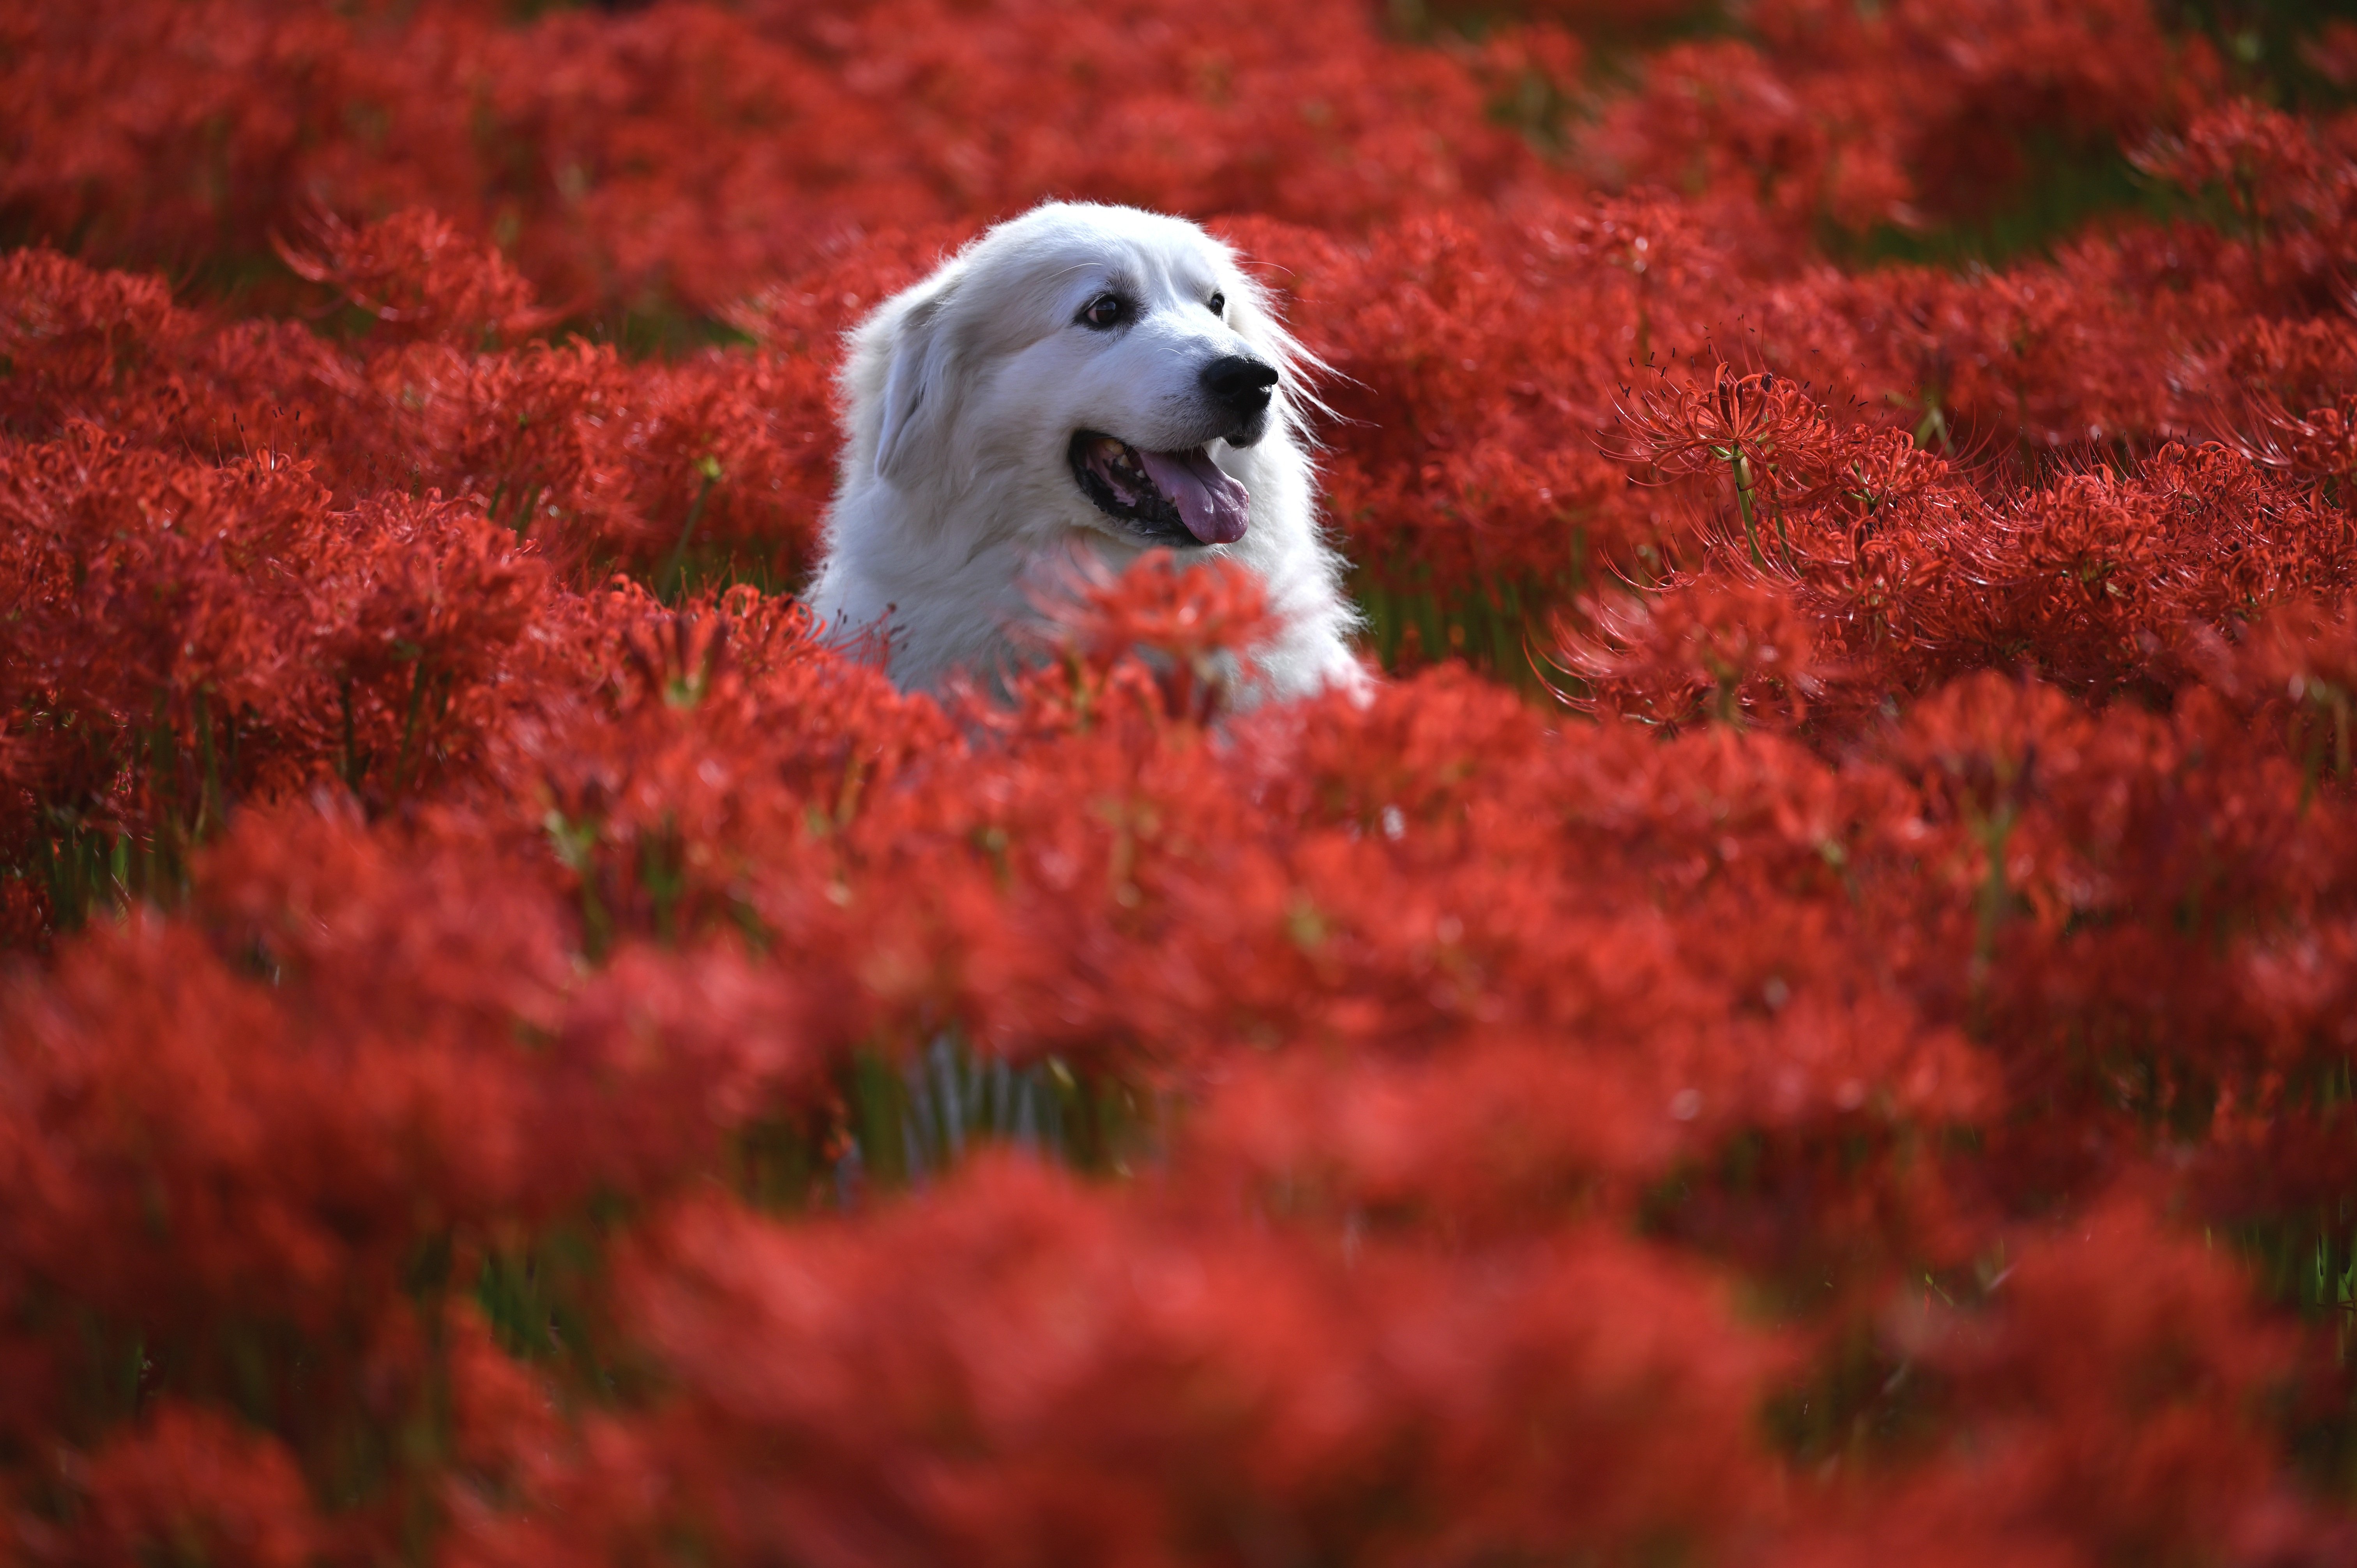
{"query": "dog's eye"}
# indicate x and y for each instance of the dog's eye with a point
(1102, 312)
(1219, 303)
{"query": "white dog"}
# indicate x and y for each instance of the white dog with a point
(1081, 378)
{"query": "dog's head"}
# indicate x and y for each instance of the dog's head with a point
(1088, 367)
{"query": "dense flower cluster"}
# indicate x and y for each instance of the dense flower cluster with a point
(1809, 1020)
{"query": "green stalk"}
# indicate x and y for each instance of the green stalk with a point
(2340, 732)
(1995, 830)
(709, 466)
(351, 759)
(210, 810)
(1742, 464)
(409, 727)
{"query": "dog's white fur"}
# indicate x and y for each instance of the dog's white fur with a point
(962, 394)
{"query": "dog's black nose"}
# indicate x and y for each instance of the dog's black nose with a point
(1240, 383)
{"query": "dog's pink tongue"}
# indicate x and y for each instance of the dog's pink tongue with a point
(1215, 507)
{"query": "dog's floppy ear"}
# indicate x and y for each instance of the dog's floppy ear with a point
(917, 390)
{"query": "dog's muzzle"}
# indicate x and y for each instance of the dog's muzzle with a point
(1182, 498)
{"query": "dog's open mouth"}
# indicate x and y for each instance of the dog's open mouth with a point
(1178, 497)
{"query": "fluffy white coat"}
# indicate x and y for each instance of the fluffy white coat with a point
(958, 492)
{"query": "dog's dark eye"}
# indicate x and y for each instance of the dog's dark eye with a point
(1219, 303)
(1102, 312)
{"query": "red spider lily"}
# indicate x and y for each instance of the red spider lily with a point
(1290, 1386)
(415, 273)
(191, 1482)
(1765, 433)
(509, 1023)
(2140, 1438)
(1191, 633)
(2298, 668)
(1704, 650)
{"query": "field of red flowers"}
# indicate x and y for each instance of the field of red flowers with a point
(1810, 1022)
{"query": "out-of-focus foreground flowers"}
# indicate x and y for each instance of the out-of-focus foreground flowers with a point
(1810, 1021)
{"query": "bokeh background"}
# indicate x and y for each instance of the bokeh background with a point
(1808, 1022)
